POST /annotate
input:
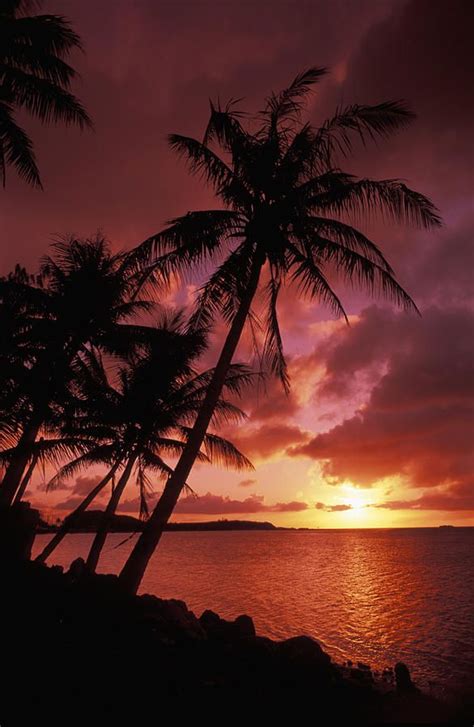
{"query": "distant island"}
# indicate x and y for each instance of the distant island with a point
(88, 522)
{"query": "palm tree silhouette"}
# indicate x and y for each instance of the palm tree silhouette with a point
(34, 77)
(146, 417)
(18, 350)
(287, 211)
(82, 303)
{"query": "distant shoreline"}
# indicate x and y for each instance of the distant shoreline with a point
(89, 522)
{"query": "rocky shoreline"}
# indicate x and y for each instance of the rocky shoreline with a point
(77, 645)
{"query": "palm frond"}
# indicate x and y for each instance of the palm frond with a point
(36, 77)
(222, 452)
(224, 288)
(16, 148)
(362, 121)
(39, 62)
(313, 283)
(44, 99)
(288, 103)
(105, 453)
(225, 128)
(145, 488)
(390, 199)
(347, 236)
(202, 160)
(273, 345)
(226, 412)
(190, 240)
(55, 451)
(49, 33)
(153, 461)
(359, 270)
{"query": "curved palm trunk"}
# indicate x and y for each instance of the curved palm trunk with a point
(26, 479)
(16, 468)
(74, 516)
(106, 519)
(135, 566)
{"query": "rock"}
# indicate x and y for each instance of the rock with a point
(364, 667)
(171, 618)
(244, 627)
(266, 645)
(210, 621)
(177, 613)
(403, 678)
(302, 664)
(302, 651)
(218, 628)
(77, 569)
(18, 525)
(361, 675)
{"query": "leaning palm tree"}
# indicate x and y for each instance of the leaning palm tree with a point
(86, 300)
(146, 418)
(286, 220)
(35, 77)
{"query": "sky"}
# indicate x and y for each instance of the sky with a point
(378, 428)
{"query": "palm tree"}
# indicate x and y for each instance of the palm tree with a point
(34, 77)
(84, 302)
(18, 313)
(287, 211)
(147, 416)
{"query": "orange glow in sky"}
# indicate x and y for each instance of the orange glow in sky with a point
(377, 430)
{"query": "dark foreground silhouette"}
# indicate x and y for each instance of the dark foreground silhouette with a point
(77, 648)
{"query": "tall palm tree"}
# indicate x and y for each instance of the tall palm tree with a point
(288, 207)
(84, 303)
(146, 418)
(35, 77)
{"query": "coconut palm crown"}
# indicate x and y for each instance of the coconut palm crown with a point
(143, 419)
(34, 77)
(84, 302)
(288, 205)
(285, 216)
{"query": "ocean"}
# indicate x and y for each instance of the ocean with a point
(376, 596)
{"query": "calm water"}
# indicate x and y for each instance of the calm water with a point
(377, 596)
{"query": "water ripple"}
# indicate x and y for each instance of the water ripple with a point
(369, 595)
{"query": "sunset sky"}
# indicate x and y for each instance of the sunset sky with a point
(378, 428)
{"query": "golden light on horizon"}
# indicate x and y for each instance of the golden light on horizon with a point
(355, 496)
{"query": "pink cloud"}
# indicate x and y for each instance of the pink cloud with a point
(454, 498)
(83, 485)
(269, 439)
(332, 508)
(247, 483)
(419, 418)
(210, 504)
